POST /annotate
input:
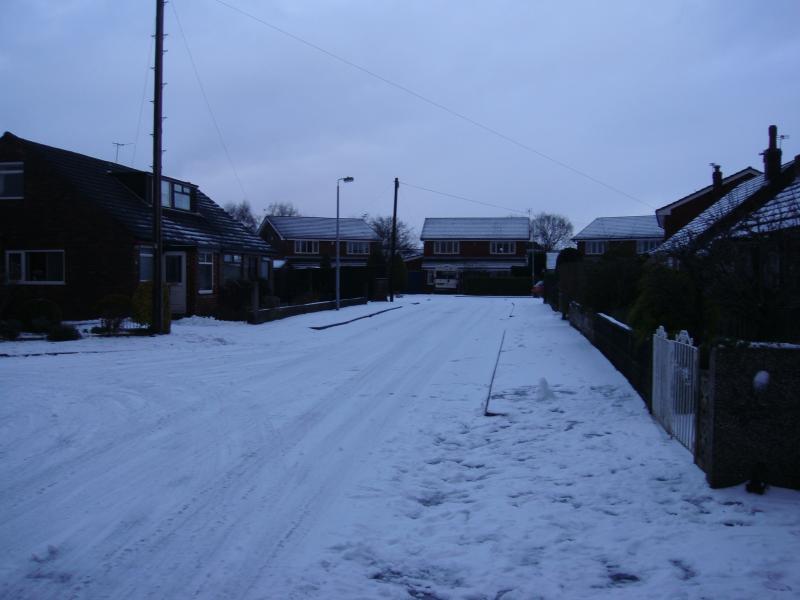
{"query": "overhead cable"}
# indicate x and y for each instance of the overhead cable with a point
(431, 102)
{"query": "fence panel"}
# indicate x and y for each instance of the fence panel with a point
(675, 385)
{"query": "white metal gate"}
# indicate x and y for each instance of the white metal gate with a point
(675, 385)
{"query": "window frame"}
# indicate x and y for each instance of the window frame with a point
(495, 244)
(591, 247)
(24, 267)
(201, 254)
(440, 247)
(645, 246)
(300, 244)
(170, 188)
(352, 244)
(146, 251)
(8, 168)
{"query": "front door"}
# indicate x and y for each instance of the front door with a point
(175, 277)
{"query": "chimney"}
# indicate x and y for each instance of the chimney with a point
(716, 179)
(772, 156)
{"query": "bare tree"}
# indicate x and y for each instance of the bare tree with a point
(551, 231)
(406, 238)
(282, 209)
(243, 213)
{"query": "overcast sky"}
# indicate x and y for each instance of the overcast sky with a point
(639, 95)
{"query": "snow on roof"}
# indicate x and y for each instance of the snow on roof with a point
(713, 214)
(322, 228)
(476, 228)
(746, 172)
(621, 228)
(99, 182)
(782, 212)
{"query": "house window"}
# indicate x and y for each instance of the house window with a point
(503, 247)
(176, 195)
(446, 247)
(205, 272)
(643, 246)
(145, 264)
(36, 267)
(231, 266)
(595, 247)
(306, 247)
(263, 267)
(358, 247)
(11, 180)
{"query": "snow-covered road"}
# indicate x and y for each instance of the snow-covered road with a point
(277, 461)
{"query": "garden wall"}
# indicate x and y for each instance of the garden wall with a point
(271, 314)
(617, 342)
(744, 431)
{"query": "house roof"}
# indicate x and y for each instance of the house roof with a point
(100, 182)
(321, 228)
(621, 228)
(746, 173)
(782, 212)
(717, 212)
(476, 228)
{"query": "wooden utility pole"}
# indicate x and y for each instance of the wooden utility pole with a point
(155, 193)
(394, 242)
(158, 293)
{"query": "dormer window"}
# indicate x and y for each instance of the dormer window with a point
(11, 180)
(176, 195)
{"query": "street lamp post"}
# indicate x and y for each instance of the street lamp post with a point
(346, 180)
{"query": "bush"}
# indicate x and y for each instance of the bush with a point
(666, 297)
(113, 310)
(41, 314)
(142, 305)
(63, 333)
(498, 286)
(10, 329)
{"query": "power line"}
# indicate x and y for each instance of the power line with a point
(449, 195)
(205, 98)
(144, 96)
(433, 103)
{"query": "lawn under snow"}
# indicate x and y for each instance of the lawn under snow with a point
(280, 462)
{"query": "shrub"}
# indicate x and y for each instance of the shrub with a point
(10, 329)
(42, 312)
(142, 305)
(63, 333)
(113, 310)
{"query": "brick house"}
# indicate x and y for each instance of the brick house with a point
(74, 229)
(303, 242)
(628, 235)
(459, 246)
(747, 245)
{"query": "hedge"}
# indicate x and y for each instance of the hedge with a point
(498, 286)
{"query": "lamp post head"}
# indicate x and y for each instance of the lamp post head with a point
(346, 179)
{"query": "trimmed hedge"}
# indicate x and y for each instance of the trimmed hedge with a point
(498, 286)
